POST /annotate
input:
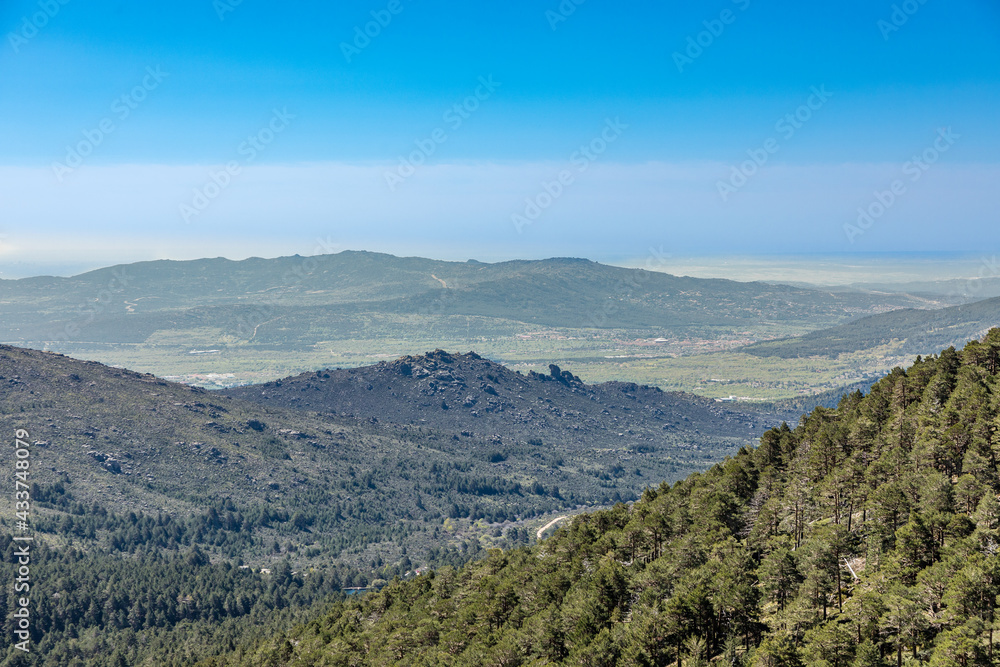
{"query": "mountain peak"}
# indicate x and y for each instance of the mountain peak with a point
(466, 393)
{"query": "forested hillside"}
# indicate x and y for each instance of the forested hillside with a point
(867, 536)
(93, 607)
(914, 331)
(158, 507)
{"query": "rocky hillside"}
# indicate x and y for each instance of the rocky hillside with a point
(465, 393)
(370, 475)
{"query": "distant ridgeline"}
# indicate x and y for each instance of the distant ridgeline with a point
(867, 536)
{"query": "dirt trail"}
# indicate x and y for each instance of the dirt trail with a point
(262, 324)
(554, 521)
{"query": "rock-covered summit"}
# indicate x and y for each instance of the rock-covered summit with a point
(468, 393)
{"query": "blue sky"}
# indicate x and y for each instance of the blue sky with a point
(675, 100)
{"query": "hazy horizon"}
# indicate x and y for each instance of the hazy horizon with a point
(820, 269)
(524, 130)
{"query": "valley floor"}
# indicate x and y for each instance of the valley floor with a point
(710, 367)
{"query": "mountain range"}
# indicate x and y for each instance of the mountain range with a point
(560, 292)
(262, 319)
